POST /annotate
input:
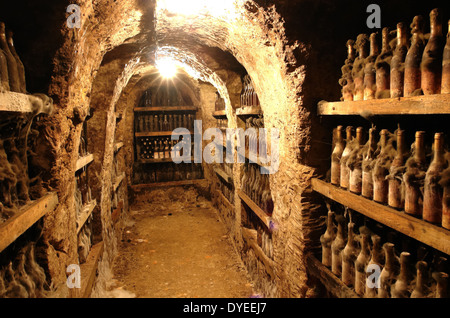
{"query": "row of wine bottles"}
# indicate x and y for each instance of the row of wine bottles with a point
(164, 96)
(164, 122)
(23, 277)
(168, 172)
(253, 141)
(249, 97)
(219, 103)
(397, 176)
(157, 148)
(257, 187)
(222, 123)
(12, 71)
(373, 269)
(403, 67)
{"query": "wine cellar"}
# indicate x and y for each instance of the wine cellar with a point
(225, 149)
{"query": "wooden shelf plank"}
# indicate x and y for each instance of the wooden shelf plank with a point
(118, 146)
(84, 161)
(220, 114)
(18, 102)
(85, 214)
(25, 218)
(118, 181)
(166, 109)
(332, 283)
(249, 237)
(158, 134)
(89, 270)
(417, 105)
(429, 234)
(249, 111)
(223, 175)
(139, 187)
(267, 220)
(155, 161)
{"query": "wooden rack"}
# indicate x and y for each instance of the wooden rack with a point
(417, 105)
(84, 161)
(249, 111)
(429, 234)
(166, 109)
(220, 114)
(261, 214)
(223, 175)
(250, 238)
(164, 160)
(160, 134)
(89, 270)
(140, 187)
(118, 181)
(25, 218)
(225, 200)
(85, 214)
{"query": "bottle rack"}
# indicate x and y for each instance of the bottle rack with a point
(433, 238)
(154, 126)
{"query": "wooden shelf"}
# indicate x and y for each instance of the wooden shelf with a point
(220, 114)
(429, 234)
(223, 175)
(166, 109)
(156, 161)
(25, 218)
(249, 111)
(89, 270)
(159, 134)
(18, 103)
(118, 146)
(250, 238)
(332, 283)
(225, 200)
(84, 161)
(267, 220)
(139, 187)
(118, 181)
(85, 214)
(417, 105)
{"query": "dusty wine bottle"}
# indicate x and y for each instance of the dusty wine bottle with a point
(376, 259)
(433, 192)
(445, 183)
(420, 289)
(387, 275)
(336, 248)
(414, 177)
(370, 85)
(445, 87)
(401, 285)
(349, 255)
(395, 197)
(20, 67)
(380, 184)
(336, 157)
(367, 165)
(398, 62)
(414, 58)
(362, 45)
(360, 265)
(326, 239)
(345, 173)
(355, 169)
(383, 68)
(13, 73)
(346, 80)
(431, 66)
(4, 77)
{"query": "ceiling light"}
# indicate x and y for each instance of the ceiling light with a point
(166, 67)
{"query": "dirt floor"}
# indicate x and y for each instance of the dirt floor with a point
(176, 247)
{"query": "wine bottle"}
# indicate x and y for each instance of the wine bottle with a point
(360, 265)
(355, 164)
(4, 77)
(445, 184)
(445, 88)
(401, 285)
(349, 255)
(13, 73)
(346, 80)
(388, 272)
(370, 85)
(431, 66)
(398, 62)
(367, 165)
(420, 289)
(414, 177)
(383, 67)
(380, 171)
(326, 239)
(336, 157)
(395, 196)
(345, 173)
(433, 192)
(20, 67)
(414, 58)
(377, 259)
(336, 248)
(362, 45)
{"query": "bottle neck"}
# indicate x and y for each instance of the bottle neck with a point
(420, 147)
(400, 145)
(401, 35)
(374, 49)
(435, 24)
(439, 148)
(385, 40)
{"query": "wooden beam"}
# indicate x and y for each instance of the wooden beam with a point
(220, 114)
(429, 234)
(417, 105)
(166, 109)
(267, 220)
(249, 111)
(118, 181)
(18, 102)
(332, 283)
(159, 134)
(85, 214)
(249, 237)
(118, 146)
(25, 218)
(139, 187)
(84, 161)
(223, 175)
(89, 270)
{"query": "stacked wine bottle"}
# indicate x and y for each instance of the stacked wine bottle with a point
(151, 148)
(371, 266)
(12, 71)
(219, 104)
(257, 187)
(249, 98)
(164, 122)
(396, 176)
(254, 142)
(403, 67)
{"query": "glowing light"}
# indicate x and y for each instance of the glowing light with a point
(195, 7)
(166, 67)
